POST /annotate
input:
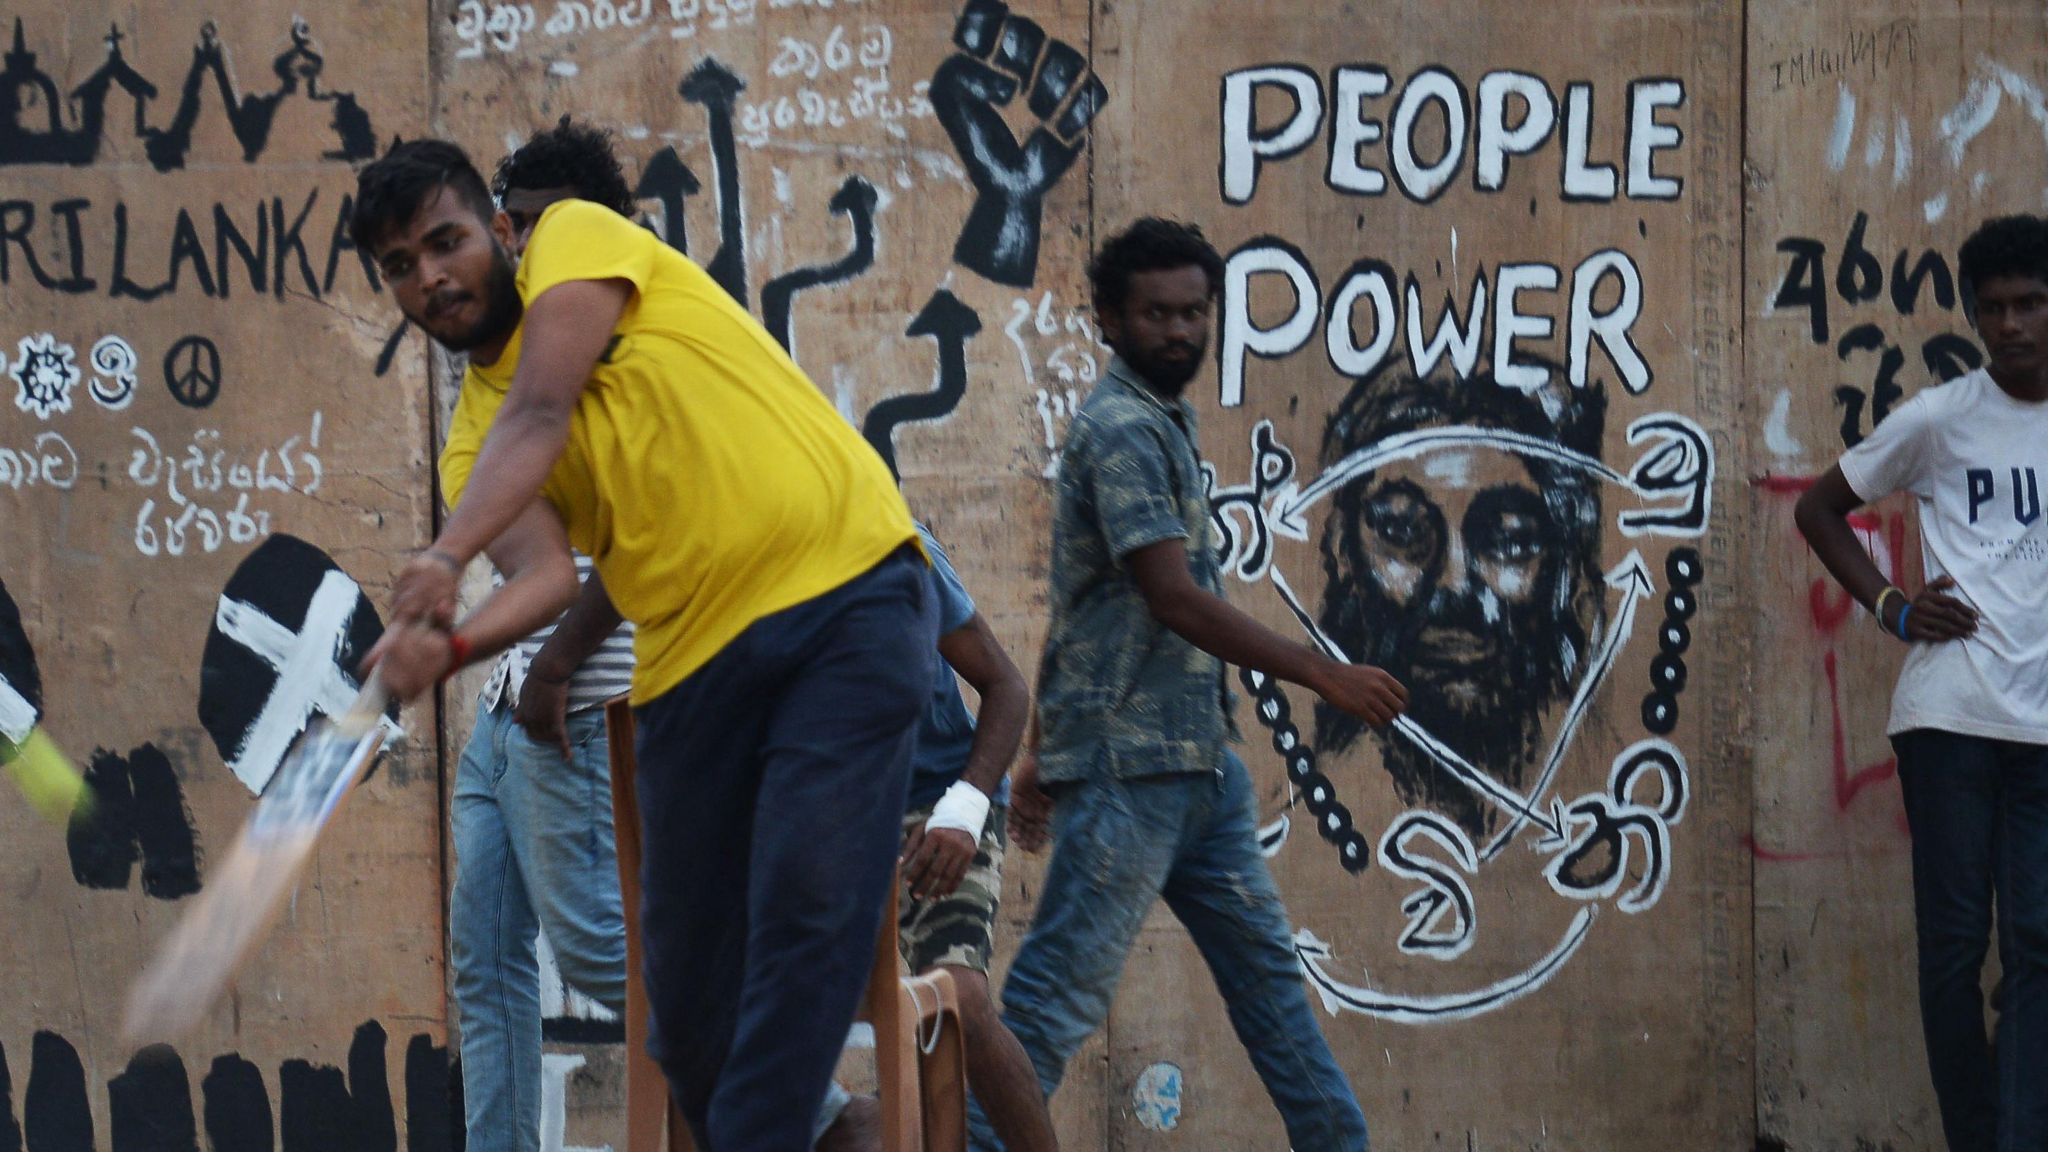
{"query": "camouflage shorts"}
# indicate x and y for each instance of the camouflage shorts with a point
(956, 930)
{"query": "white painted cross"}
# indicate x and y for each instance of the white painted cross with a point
(17, 715)
(310, 677)
(555, 1069)
(557, 999)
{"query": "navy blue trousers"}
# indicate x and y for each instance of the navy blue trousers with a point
(772, 783)
(1979, 814)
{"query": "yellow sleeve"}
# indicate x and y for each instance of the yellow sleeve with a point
(578, 240)
(474, 409)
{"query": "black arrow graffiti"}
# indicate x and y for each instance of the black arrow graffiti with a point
(952, 324)
(670, 181)
(855, 200)
(716, 87)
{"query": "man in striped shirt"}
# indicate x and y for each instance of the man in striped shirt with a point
(532, 823)
(532, 811)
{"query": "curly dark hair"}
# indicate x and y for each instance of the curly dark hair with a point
(2006, 246)
(569, 155)
(1151, 244)
(391, 191)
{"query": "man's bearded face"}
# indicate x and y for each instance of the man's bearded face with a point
(1451, 572)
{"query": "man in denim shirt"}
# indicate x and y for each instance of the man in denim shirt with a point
(1146, 802)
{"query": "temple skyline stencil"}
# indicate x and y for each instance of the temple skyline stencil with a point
(33, 112)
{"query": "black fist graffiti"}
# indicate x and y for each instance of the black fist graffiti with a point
(1001, 53)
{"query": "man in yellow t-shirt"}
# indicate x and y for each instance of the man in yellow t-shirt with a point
(619, 400)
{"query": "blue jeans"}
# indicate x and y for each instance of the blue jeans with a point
(1979, 815)
(772, 784)
(533, 850)
(1119, 845)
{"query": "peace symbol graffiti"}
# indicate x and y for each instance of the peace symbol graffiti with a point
(192, 371)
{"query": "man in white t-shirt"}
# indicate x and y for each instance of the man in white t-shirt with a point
(1970, 715)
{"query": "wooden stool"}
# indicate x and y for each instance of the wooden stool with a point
(922, 1087)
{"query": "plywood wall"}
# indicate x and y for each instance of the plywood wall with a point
(1648, 884)
(1879, 137)
(199, 418)
(1546, 922)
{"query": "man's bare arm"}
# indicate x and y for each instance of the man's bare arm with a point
(974, 652)
(540, 581)
(564, 332)
(544, 695)
(1822, 515)
(588, 624)
(1209, 622)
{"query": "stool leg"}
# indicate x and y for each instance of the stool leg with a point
(895, 1025)
(942, 1072)
(651, 1115)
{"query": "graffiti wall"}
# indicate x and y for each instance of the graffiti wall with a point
(1880, 136)
(1531, 334)
(205, 482)
(1473, 360)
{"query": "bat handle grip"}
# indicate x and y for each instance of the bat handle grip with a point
(367, 708)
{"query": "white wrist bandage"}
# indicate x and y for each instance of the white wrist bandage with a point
(964, 808)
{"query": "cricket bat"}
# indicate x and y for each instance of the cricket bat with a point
(225, 922)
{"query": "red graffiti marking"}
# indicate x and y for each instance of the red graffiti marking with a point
(1827, 603)
(1774, 856)
(1848, 783)
(1830, 607)
(1783, 485)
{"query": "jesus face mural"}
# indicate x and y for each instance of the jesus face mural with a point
(1470, 571)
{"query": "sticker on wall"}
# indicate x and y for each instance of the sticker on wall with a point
(155, 1102)
(973, 92)
(952, 324)
(1157, 1099)
(290, 630)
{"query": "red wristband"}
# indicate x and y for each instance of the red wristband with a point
(458, 654)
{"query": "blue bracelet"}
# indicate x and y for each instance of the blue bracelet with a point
(1903, 613)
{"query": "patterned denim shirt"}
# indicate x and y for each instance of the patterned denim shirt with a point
(1120, 695)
